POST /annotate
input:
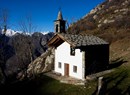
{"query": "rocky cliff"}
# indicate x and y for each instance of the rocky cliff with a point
(42, 64)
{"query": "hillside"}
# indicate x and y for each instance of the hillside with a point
(110, 21)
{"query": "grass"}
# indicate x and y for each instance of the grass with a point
(53, 87)
(117, 83)
(43, 85)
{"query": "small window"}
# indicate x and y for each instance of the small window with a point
(75, 69)
(72, 51)
(59, 64)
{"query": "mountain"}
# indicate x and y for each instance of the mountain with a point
(11, 32)
(110, 20)
(111, 15)
(20, 49)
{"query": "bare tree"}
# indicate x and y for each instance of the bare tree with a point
(3, 43)
(4, 19)
(24, 54)
(23, 48)
(26, 25)
(3, 54)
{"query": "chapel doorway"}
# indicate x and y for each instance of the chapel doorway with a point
(66, 69)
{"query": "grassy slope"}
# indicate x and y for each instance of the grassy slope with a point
(44, 85)
(117, 83)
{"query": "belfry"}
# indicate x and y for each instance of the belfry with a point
(60, 24)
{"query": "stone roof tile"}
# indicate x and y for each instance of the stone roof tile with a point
(83, 40)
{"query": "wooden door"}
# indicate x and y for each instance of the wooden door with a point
(66, 69)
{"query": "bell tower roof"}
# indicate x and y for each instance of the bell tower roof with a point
(60, 17)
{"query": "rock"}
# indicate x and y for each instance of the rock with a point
(108, 21)
(105, 21)
(124, 9)
(126, 2)
(116, 11)
(95, 17)
(42, 64)
(93, 11)
(21, 75)
(99, 25)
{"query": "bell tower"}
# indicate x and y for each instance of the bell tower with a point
(60, 24)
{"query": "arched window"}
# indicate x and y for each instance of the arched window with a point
(56, 27)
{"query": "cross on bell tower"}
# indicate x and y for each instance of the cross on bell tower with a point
(60, 24)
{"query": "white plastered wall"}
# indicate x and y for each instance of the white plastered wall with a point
(62, 54)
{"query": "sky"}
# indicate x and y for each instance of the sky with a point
(44, 12)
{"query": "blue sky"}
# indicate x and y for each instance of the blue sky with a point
(44, 12)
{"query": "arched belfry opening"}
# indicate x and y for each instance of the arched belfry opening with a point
(60, 24)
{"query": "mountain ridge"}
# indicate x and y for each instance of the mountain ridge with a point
(20, 49)
(105, 15)
(11, 32)
(110, 20)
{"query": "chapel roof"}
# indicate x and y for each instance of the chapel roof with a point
(81, 40)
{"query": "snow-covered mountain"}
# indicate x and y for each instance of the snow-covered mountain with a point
(46, 32)
(11, 32)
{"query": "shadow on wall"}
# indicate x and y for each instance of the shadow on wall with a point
(116, 63)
